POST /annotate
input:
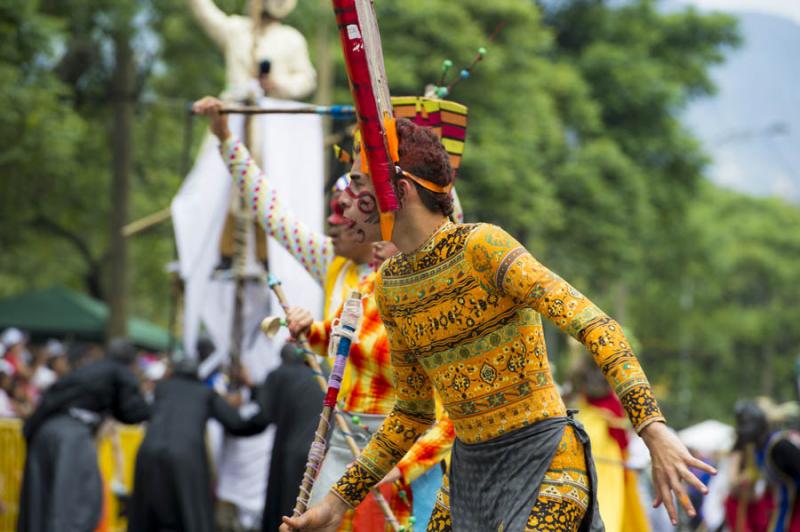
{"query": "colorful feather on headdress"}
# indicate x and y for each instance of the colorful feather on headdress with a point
(361, 43)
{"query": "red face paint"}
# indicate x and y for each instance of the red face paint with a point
(361, 209)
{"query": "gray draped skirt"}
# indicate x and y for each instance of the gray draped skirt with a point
(494, 484)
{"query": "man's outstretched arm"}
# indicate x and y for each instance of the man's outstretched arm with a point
(507, 268)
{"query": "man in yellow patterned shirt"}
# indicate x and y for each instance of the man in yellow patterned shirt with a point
(462, 306)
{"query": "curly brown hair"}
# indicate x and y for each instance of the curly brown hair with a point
(422, 154)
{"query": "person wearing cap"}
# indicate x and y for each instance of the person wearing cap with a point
(61, 486)
(463, 305)
(49, 356)
(172, 481)
(338, 261)
(13, 344)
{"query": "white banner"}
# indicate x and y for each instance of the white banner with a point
(292, 155)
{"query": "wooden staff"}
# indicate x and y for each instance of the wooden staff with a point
(275, 285)
(336, 111)
(347, 328)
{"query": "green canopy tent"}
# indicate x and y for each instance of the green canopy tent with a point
(60, 312)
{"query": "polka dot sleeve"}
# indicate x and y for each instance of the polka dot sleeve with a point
(313, 250)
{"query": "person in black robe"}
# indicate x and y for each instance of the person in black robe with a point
(172, 481)
(292, 399)
(61, 486)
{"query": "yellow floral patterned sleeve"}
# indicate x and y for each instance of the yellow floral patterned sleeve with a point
(413, 414)
(505, 266)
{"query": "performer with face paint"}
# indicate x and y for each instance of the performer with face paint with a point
(367, 389)
(462, 305)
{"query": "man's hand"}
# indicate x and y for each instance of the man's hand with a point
(324, 517)
(299, 321)
(671, 463)
(241, 376)
(268, 85)
(212, 107)
(234, 399)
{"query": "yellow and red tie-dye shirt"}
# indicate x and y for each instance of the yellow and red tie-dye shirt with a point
(463, 317)
(370, 387)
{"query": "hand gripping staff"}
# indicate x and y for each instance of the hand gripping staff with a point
(275, 285)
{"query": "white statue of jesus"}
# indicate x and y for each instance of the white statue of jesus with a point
(280, 50)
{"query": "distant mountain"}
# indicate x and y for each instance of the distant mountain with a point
(751, 128)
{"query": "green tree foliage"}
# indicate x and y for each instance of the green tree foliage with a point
(575, 145)
(58, 181)
(729, 327)
(641, 67)
(41, 135)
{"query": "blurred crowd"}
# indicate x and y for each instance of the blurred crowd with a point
(758, 464)
(72, 395)
(759, 478)
(758, 458)
(28, 368)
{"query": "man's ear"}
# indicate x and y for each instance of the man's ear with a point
(404, 190)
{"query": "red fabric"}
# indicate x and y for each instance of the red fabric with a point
(369, 515)
(758, 515)
(330, 397)
(454, 132)
(612, 404)
(369, 122)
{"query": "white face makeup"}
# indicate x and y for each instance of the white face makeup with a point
(361, 205)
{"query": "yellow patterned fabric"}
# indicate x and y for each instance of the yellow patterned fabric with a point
(463, 314)
(566, 482)
(341, 278)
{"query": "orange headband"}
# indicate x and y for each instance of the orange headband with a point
(424, 183)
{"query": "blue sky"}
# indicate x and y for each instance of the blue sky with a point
(783, 8)
(751, 128)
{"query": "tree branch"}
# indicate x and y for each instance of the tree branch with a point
(51, 226)
(92, 276)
